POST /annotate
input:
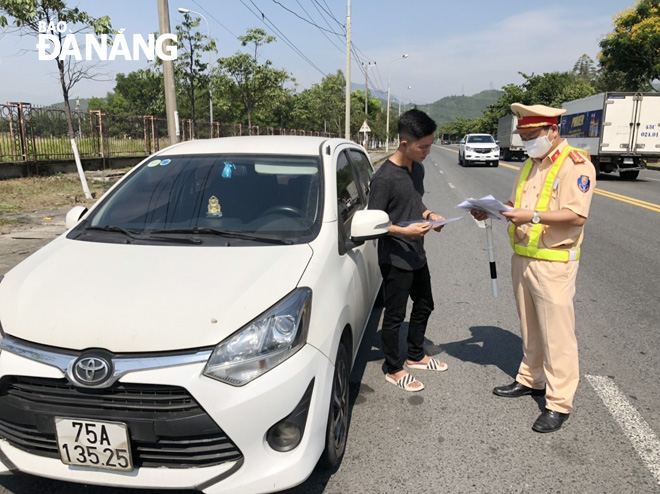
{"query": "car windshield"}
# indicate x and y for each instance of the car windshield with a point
(481, 139)
(259, 197)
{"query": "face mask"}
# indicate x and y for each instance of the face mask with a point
(538, 147)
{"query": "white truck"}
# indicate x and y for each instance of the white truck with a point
(620, 131)
(511, 145)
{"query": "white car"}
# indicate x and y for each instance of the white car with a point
(196, 328)
(478, 148)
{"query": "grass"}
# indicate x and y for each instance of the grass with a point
(21, 195)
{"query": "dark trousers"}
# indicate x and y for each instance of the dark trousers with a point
(398, 285)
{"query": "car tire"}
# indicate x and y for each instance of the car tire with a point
(337, 429)
(460, 161)
(631, 175)
(495, 163)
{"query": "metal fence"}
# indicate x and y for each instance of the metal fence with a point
(32, 134)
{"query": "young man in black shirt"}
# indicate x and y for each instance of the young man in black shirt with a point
(397, 188)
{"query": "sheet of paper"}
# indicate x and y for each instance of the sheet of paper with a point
(491, 206)
(434, 224)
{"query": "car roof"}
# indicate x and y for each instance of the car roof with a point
(296, 145)
(479, 135)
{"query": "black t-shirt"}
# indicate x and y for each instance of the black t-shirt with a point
(399, 193)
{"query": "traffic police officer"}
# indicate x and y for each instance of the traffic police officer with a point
(550, 200)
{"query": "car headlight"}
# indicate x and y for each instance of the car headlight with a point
(468, 148)
(264, 343)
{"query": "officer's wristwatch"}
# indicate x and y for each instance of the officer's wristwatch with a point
(536, 218)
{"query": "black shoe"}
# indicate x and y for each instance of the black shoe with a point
(550, 421)
(515, 390)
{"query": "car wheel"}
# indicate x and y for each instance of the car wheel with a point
(495, 163)
(460, 161)
(337, 430)
(632, 175)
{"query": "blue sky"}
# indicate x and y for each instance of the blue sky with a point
(454, 47)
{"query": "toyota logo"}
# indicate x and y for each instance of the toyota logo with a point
(92, 370)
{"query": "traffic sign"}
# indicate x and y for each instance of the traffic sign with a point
(365, 127)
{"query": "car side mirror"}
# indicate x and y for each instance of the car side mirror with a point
(74, 215)
(369, 224)
(462, 142)
(497, 142)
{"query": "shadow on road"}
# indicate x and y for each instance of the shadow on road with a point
(368, 352)
(489, 345)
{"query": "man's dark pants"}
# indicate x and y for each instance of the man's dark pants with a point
(398, 285)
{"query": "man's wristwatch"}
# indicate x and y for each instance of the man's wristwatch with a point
(536, 218)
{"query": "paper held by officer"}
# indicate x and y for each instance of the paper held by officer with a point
(433, 223)
(488, 204)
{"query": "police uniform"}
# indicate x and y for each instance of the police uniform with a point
(545, 263)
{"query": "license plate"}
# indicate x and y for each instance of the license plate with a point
(94, 443)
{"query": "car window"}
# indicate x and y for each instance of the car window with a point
(275, 195)
(348, 197)
(480, 139)
(364, 170)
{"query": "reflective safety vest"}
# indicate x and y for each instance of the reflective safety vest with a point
(532, 248)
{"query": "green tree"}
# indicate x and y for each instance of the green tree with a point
(250, 85)
(136, 93)
(322, 106)
(632, 50)
(191, 71)
(26, 15)
(585, 69)
(551, 89)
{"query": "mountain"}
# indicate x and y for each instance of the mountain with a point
(72, 101)
(451, 108)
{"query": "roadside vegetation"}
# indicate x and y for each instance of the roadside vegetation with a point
(20, 195)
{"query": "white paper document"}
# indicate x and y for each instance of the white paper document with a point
(491, 206)
(434, 224)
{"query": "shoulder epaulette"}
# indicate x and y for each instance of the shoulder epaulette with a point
(576, 157)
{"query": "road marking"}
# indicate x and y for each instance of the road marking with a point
(628, 200)
(642, 437)
(451, 185)
(610, 195)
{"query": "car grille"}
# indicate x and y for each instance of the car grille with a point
(483, 150)
(167, 427)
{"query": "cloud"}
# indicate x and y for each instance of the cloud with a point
(531, 42)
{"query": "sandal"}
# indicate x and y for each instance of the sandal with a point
(432, 365)
(405, 382)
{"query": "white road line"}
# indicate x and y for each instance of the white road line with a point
(642, 437)
(451, 185)
(441, 172)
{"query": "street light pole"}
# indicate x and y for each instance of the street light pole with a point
(347, 117)
(387, 125)
(208, 35)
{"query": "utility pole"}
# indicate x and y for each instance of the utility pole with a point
(347, 121)
(366, 87)
(168, 75)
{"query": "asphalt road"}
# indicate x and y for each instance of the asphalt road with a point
(456, 436)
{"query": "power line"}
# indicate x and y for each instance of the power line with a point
(268, 22)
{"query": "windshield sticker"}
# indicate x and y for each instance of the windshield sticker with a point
(229, 167)
(154, 163)
(213, 210)
(165, 162)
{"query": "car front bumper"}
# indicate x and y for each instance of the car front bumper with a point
(244, 413)
(481, 157)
